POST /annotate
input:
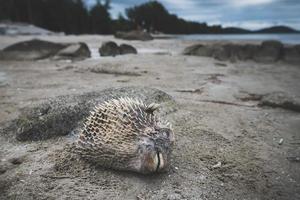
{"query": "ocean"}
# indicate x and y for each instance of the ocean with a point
(293, 38)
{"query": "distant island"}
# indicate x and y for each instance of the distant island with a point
(273, 29)
(73, 17)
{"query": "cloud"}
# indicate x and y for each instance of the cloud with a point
(246, 3)
(180, 4)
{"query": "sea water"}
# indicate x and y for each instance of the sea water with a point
(290, 38)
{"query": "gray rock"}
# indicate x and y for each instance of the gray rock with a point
(77, 51)
(246, 52)
(62, 115)
(222, 53)
(39, 49)
(134, 35)
(292, 54)
(199, 50)
(269, 51)
(109, 49)
(31, 50)
(127, 49)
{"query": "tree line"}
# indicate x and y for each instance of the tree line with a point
(73, 17)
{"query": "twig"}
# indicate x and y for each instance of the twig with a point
(57, 177)
(227, 103)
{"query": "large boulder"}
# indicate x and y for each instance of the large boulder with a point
(109, 49)
(31, 50)
(62, 115)
(221, 52)
(246, 52)
(292, 54)
(127, 49)
(269, 51)
(77, 51)
(134, 35)
(39, 49)
(199, 50)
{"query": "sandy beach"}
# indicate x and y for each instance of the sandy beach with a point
(230, 143)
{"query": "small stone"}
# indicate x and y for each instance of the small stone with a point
(218, 165)
(16, 161)
(280, 141)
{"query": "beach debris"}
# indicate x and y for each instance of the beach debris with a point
(281, 100)
(293, 158)
(221, 64)
(16, 161)
(113, 72)
(218, 165)
(197, 91)
(280, 142)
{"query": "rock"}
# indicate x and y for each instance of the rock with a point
(77, 51)
(134, 35)
(246, 52)
(62, 115)
(39, 49)
(269, 51)
(280, 100)
(222, 53)
(31, 50)
(292, 54)
(127, 49)
(199, 50)
(109, 49)
(218, 165)
(16, 161)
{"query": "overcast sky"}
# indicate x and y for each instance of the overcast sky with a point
(251, 14)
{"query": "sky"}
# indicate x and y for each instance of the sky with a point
(250, 14)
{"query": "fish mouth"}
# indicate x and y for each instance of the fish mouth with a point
(160, 161)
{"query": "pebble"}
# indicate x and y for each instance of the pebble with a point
(218, 165)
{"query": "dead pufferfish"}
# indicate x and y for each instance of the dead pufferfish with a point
(125, 134)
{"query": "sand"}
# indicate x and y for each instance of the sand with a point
(227, 147)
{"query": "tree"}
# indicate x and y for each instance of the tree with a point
(100, 21)
(122, 24)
